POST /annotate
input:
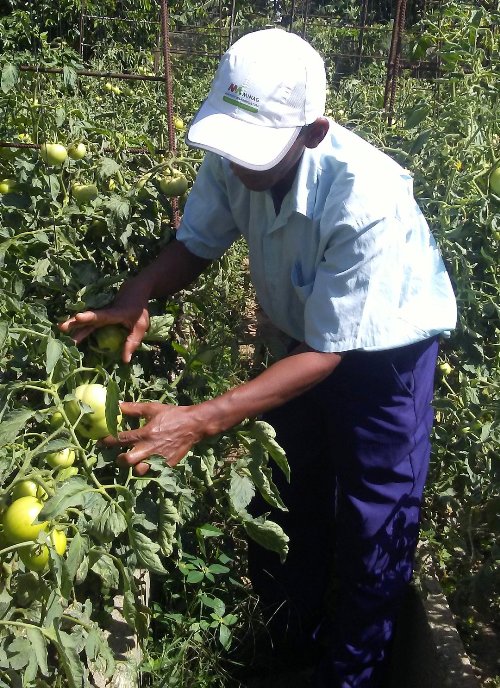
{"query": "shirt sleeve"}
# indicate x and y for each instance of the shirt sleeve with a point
(207, 227)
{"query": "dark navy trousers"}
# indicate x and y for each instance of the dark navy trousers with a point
(358, 445)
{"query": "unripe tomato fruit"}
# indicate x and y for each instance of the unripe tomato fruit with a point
(7, 186)
(61, 459)
(84, 193)
(18, 520)
(178, 124)
(56, 420)
(445, 368)
(36, 558)
(495, 180)
(110, 338)
(53, 153)
(92, 425)
(108, 86)
(116, 89)
(174, 185)
(28, 488)
(77, 151)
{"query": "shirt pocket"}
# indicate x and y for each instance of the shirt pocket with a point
(302, 288)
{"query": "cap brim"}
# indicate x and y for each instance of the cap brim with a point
(253, 146)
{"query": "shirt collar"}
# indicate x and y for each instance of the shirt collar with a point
(302, 196)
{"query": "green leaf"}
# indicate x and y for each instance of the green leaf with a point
(268, 534)
(225, 636)
(99, 653)
(110, 523)
(112, 406)
(39, 646)
(19, 652)
(160, 328)
(70, 660)
(119, 207)
(167, 525)
(104, 566)
(12, 425)
(4, 332)
(241, 490)
(108, 167)
(146, 551)
(71, 493)
(265, 434)
(53, 354)
(70, 76)
(74, 558)
(10, 75)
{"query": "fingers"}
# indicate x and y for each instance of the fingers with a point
(138, 409)
(81, 325)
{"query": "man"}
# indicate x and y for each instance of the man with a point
(343, 262)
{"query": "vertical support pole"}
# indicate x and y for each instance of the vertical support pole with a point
(220, 29)
(231, 24)
(306, 16)
(393, 63)
(82, 27)
(170, 98)
(362, 24)
(292, 16)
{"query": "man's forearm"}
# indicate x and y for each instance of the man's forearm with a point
(283, 381)
(174, 269)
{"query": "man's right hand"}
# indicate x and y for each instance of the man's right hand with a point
(127, 310)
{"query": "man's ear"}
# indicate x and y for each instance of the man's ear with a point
(316, 132)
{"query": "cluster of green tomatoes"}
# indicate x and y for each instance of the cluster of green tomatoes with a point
(19, 521)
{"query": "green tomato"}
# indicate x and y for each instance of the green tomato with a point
(53, 153)
(445, 368)
(174, 185)
(56, 421)
(28, 488)
(77, 151)
(495, 180)
(36, 558)
(18, 520)
(178, 124)
(108, 86)
(110, 338)
(84, 193)
(7, 186)
(61, 459)
(92, 425)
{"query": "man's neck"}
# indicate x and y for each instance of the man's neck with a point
(280, 190)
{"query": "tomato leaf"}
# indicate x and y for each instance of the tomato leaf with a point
(146, 551)
(112, 406)
(241, 490)
(53, 354)
(71, 493)
(102, 564)
(12, 425)
(39, 646)
(76, 552)
(10, 75)
(268, 534)
(70, 660)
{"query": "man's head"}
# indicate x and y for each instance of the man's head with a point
(268, 86)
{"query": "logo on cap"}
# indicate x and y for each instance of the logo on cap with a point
(235, 95)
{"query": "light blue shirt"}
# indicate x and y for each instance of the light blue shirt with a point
(348, 262)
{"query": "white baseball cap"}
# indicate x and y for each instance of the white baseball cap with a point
(268, 85)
